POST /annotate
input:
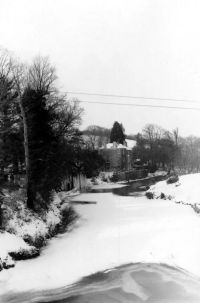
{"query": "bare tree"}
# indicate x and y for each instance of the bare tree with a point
(5, 63)
(8, 108)
(19, 72)
(68, 116)
(41, 75)
(152, 133)
(5, 71)
(92, 137)
(176, 136)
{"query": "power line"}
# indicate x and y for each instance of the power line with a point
(140, 105)
(132, 97)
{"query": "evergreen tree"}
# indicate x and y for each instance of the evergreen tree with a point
(52, 138)
(117, 133)
(43, 148)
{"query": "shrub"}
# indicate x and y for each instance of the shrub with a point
(162, 196)
(24, 254)
(114, 177)
(173, 179)
(149, 195)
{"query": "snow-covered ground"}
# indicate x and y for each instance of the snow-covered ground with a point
(186, 190)
(117, 230)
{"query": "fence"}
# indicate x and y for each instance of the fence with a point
(132, 175)
(79, 182)
(70, 182)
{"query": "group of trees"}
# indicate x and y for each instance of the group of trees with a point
(161, 148)
(188, 155)
(39, 129)
(156, 146)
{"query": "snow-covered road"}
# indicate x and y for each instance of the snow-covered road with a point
(116, 230)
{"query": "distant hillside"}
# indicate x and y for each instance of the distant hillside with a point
(96, 136)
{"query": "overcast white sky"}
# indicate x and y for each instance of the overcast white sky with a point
(130, 47)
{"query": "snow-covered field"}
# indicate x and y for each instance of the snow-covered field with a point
(117, 230)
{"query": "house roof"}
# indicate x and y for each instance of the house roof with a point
(129, 144)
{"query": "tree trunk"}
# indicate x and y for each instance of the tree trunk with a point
(79, 177)
(26, 150)
(29, 191)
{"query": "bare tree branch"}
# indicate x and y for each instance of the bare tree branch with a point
(41, 75)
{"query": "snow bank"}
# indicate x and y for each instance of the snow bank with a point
(25, 231)
(27, 224)
(185, 191)
(12, 245)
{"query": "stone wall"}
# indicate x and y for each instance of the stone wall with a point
(117, 159)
